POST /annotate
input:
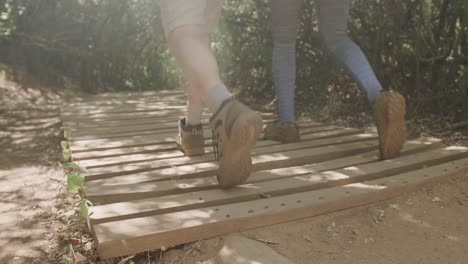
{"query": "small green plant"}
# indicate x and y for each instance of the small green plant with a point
(84, 208)
(64, 145)
(74, 182)
(74, 178)
(66, 152)
(67, 134)
(73, 167)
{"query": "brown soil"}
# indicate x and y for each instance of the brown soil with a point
(37, 216)
(38, 221)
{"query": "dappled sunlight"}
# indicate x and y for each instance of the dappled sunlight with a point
(102, 190)
(6, 207)
(365, 135)
(268, 157)
(323, 176)
(454, 238)
(353, 169)
(424, 141)
(192, 183)
(296, 170)
(191, 217)
(129, 159)
(365, 186)
(185, 171)
(231, 254)
(244, 186)
(198, 166)
(148, 225)
(138, 207)
(457, 148)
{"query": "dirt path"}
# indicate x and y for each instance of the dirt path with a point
(34, 204)
(427, 227)
(38, 221)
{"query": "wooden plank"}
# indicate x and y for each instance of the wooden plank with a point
(172, 127)
(190, 190)
(106, 98)
(307, 141)
(127, 115)
(122, 107)
(190, 194)
(149, 153)
(74, 126)
(127, 94)
(156, 125)
(117, 110)
(118, 134)
(90, 124)
(92, 103)
(132, 126)
(95, 191)
(113, 105)
(127, 133)
(145, 149)
(105, 132)
(162, 231)
(97, 123)
(292, 156)
(175, 113)
(135, 138)
(114, 152)
(170, 138)
(210, 182)
(141, 140)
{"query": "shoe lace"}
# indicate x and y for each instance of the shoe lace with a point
(215, 138)
(214, 142)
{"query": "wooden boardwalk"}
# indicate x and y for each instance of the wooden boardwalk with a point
(147, 195)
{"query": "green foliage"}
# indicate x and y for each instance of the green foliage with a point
(84, 208)
(415, 47)
(74, 182)
(74, 167)
(64, 145)
(74, 178)
(66, 154)
(102, 43)
(66, 134)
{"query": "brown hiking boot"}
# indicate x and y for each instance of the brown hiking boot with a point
(236, 129)
(282, 132)
(190, 139)
(389, 113)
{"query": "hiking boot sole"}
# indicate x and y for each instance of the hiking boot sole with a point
(236, 164)
(391, 110)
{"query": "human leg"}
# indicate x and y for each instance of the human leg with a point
(235, 127)
(389, 107)
(284, 25)
(333, 20)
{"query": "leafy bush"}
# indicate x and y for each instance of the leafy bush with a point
(417, 47)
